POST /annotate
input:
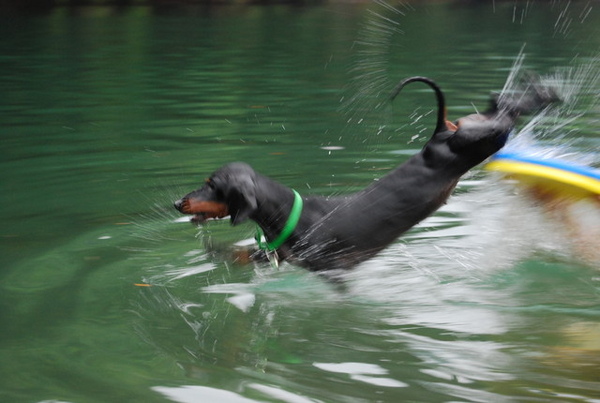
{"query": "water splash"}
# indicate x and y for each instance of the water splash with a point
(504, 229)
(556, 132)
(566, 16)
(369, 85)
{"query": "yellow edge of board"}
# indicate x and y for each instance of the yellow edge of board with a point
(558, 175)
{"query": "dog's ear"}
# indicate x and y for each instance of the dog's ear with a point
(240, 195)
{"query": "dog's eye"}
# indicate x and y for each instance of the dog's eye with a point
(216, 189)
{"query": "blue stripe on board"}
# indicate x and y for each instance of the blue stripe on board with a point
(551, 163)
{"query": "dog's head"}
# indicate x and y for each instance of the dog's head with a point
(230, 191)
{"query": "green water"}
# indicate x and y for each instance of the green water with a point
(108, 115)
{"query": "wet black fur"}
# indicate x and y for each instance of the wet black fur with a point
(340, 232)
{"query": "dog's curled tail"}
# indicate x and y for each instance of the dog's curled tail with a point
(441, 102)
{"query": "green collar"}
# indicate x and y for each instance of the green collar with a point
(287, 230)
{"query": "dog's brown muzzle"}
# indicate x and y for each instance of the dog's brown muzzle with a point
(201, 209)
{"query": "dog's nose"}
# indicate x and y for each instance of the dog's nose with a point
(177, 204)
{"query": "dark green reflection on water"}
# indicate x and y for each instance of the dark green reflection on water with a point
(110, 114)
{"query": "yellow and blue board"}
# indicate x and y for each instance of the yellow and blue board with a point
(549, 175)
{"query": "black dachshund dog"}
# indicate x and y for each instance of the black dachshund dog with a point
(323, 233)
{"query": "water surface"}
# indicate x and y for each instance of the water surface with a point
(108, 115)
